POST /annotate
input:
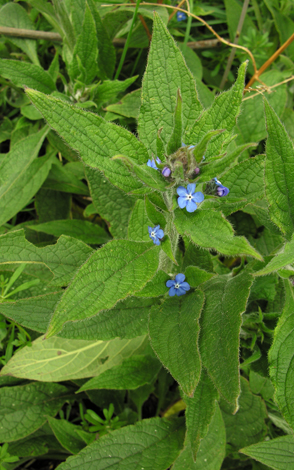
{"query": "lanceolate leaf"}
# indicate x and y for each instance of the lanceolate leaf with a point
(221, 115)
(96, 140)
(279, 171)
(212, 448)
(174, 331)
(25, 74)
(57, 359)
(281, 358)
(286, 256)
(154, 443)
(134, 372)
(200, 411)
(276, 453)
(210, 230)
(166, 73)
(24, 408)
(220, 325)
(63, 258)
(112, 273)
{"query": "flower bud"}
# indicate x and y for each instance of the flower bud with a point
(222, 191)
(166, 171)
(197, 170)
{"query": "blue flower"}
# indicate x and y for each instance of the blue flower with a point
(181, 16)
(152, 163)
(188, 197)
(178, 286)
(156, 234)
(221, 190)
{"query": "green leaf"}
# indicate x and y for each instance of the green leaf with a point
(219, 166)
(22, 174)
(147, 175)
(84, 63)
(279, 169)
(33, 312)
(246, 180)
(128, 106)
(96, 140)
(166, 63)
(280, 358)
(112, 273)
(247, 426)
(128, 319)
(52, 205)
(261, 385)
(25, 74)
(221, 115)
(200, 411)
(24, 408)
(30, 112)
(197, 276)
(80, 229)
(58, 359)
(212, 449)
(138, 223)
(251, 122)
(174, 332)
(200, 148)
(132, 373)
(113, 205)
(154, 443)
(66, 433)
(13, 15)
(110, 89)
(175, 141)
(106, 56)
(63, 258)
(276, 453)
(35, 444)
(210, 230)
(283, 258)
(156, 287)
(60, 179)
(220, 325)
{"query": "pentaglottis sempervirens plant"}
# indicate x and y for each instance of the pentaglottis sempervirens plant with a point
(176, 292)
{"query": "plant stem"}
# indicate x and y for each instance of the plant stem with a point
(188, 27)
(127, 41)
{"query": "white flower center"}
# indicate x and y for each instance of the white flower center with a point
(177, 286)
(153, 234)
(189, 197)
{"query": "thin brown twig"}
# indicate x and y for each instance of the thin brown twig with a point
(144, 24)
(228, 43)
(261, 89)
(257, 73)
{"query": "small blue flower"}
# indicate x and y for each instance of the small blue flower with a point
(178, 286)
(156, 234)
(152, 163)
(221, 190)
(181, 16)
(188, 197)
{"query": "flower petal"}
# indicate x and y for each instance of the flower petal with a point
(156, 228)
(185, 286)
(181, 191)
(149, 230)
(198, 197)
(182, 201)
(156, 241)
(180, 278)
(170, 283)
(191, 206)
(160, 233)
(191, 188)
(180, 291)
(173, 291)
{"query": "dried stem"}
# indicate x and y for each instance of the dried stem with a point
(257, 73)
(261, 89)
